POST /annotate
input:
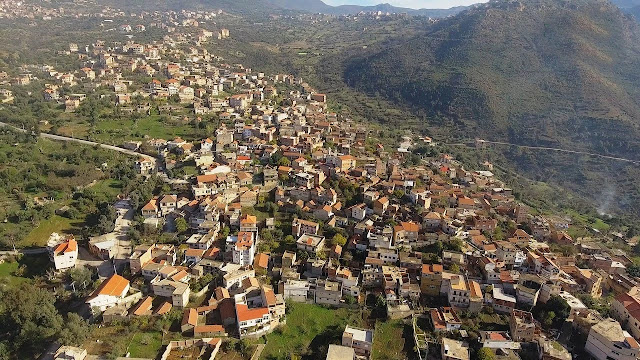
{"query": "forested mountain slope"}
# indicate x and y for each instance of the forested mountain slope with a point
(534, 72)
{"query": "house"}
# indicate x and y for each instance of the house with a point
(244, 248)
(464, 294)
(522, 326)
(109, 294)
(445, 319)
(626, 309)
(405, 233)
(360, 340)
(607, 341)
(143, 307)
(310, 243)
(249, 223)
(234, 275)
(431, 279)
(168, 203)
(69, 353)
(326, 292)
(103, 246)
(193, 256)
(300, 227)
(144, 166)
(261, 262)
(339, 352)
(502, 302)
(497, 340)
(150, 209)
(252, 322)
(296, 290)
(509, 254)
(178, 292)
(432, 220)
(453, 349)
(551, 350)
(380, 206)
(63, 251)
(342, 163)
(189, 320)
(358, 212)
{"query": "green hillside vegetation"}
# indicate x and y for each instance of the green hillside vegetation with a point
(535, 72)
(543, 72)
(38, 177)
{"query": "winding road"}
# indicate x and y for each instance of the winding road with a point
(85, 142)
(636, 162)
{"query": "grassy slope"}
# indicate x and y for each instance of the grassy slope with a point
(537, 72)
(309, 331)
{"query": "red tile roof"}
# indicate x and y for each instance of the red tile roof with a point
(114, 286)
(245, 314)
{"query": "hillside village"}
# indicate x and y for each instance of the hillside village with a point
(290, 202)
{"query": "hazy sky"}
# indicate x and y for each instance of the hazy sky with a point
(414, 4)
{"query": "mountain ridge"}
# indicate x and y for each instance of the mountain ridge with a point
(553, 73)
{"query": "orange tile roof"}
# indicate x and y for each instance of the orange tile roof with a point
(65, 247)
(497, 336)
(194, 252)
(151, 205)
(261, 260)
(190, 317)
(269, 296)
(249, 219)
(245, 239)
(432, 268)
(206, 178)
(114, 286)
(208, 329)
(144, 306)
(164, 308)
(245, 314)
(410, 226)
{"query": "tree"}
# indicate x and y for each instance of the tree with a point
(81, 277)
(225, 232)
(243, 347)
(430, 258)
(485, 354)
(455, 269)
(284, 161)
(29, 319)
(339, 239)
(181, 225)
(76, 330)
(289, 240)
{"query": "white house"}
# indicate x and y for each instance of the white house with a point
(244, 249)
(178, 292)
(63, 251)
(109, 294)
(361, 340)
(252, 322)
(607, 340)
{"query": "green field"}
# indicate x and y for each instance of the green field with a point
(145, 345)
(40, 235)
(7, 274)
(309, 331)
(116, 131)
(388, 341)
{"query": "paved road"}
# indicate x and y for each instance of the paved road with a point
(545, 148)
(258, 352)
(85, 142)
(24, 251)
